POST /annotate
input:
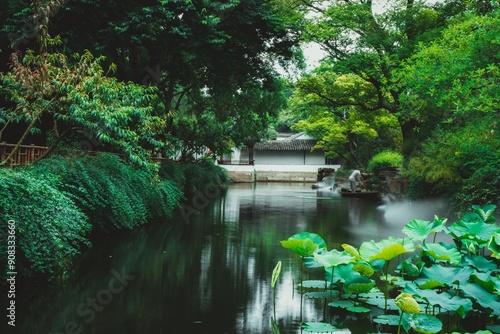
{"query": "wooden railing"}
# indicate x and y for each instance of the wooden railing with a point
(26, 154)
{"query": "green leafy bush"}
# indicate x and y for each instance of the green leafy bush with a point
(111, 192)
(50, 228)
(383, 160)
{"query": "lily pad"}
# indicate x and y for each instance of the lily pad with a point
(358, 284)
(341, 304)
(421, 323)
(387, 319)
(321, 294)
(314, 284)
(358, 309)
(318, 327)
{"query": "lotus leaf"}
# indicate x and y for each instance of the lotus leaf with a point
(421, 323)
(333, 258)
(420, 229)
(341, 303)
(407, 303)
(387, 319)
(314, 284)
(358, 309)
(386, 249)
(364, 269)
(321, 294)
(477, 231)
(304, 243)
(444, 275)
(409, 270)
(443, 252)
(494, 245)
(351, 250)
(444, 300)
(358, 284)
(318, 327)
(341, 273)
(491, 284)
(482, 296)
(480, 263)
(486, 212)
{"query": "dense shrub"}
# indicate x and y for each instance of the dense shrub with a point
(112, 192)
(53, 201)
(50, 228)
(463, 166)
(383, 160)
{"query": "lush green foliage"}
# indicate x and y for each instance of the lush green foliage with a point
(111, 192)
(74, 96)
(58, 201)
(331, 108)
(437, 282)
(384, 159)
(50, 229)
(463, 166)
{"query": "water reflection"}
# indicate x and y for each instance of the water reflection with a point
(214, 274)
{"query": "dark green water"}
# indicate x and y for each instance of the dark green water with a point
(213, 273)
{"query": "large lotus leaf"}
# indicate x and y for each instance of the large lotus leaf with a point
(480, 263)
(386, 249)
(333, 258)
(491, 284)
(358, 284)
(494, 245)
(364, 269)
(304, 243)
(301, 247)
(318, 327)
(443, 252)
(479, 231)
(447, 303)
(486, 212)
(409, 270)
(377, 298)
(421, 323)
(420, 229)
(482, 296)
(407, 303)
(310, 262)
(341, 273)
(351, 250)
(444, 275)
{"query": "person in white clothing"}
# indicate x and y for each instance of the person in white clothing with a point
(354, 178)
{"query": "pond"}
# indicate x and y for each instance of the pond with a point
(211, 273)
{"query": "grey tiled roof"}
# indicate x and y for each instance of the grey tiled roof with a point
(286, 145)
